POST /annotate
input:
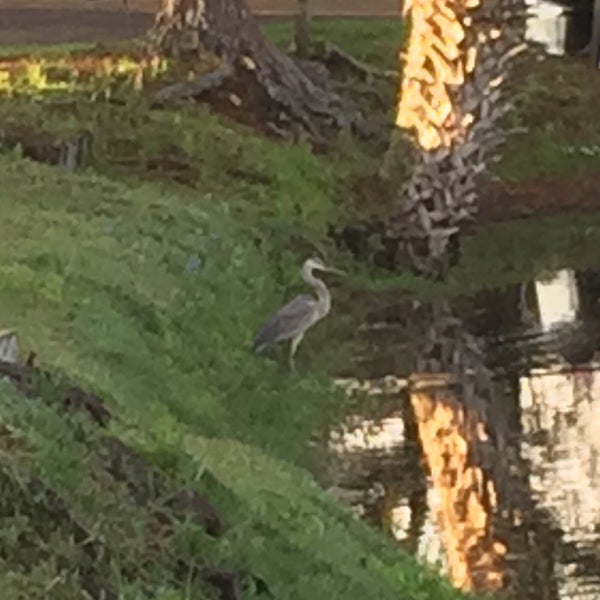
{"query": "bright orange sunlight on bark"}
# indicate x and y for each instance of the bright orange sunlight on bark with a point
(434, 61)
(465, 498)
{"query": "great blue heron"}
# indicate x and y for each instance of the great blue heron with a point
(293, 320)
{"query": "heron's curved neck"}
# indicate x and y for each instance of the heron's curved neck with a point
(320, 288)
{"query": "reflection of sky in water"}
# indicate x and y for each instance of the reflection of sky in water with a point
(385, 437)
(8, 346)
(430, 547)
(558, 300)
(565, 474)
(564, 462)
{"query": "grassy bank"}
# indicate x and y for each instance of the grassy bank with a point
(148, 296)
(146, 290)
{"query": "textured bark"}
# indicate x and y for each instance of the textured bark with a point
(465, 421)
(294, 92)
(452, 99)
(302, 30)
(595, 42)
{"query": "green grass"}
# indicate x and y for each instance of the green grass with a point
(555, 104)
(57, 50)
(373, 40)
(149, 295)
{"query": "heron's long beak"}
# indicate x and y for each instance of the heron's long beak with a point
(334, 270)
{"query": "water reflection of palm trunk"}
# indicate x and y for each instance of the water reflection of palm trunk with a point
(532, 450)
(451, 400)
(561, 430)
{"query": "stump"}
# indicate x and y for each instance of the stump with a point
(295, 92)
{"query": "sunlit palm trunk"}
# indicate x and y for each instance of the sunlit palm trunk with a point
(456, 65)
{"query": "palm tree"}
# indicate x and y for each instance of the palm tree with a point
(452, 99)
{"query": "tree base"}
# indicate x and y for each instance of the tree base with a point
(296, 93)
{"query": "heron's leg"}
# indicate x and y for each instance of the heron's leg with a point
(293, 347)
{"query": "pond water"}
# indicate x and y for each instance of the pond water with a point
(483, 456)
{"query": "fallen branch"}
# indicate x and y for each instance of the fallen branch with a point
(331, 54)
(191, 89)
(363, 90)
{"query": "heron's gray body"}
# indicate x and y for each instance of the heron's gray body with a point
(289, 322)
(293, 320)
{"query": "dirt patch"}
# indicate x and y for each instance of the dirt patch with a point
(502, 200)
(366, 235)
(244, 101)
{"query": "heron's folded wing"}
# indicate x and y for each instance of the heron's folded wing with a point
(287, 322)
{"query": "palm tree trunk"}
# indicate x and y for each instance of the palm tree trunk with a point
(451, 101)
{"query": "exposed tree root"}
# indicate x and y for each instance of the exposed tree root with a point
(192, 89)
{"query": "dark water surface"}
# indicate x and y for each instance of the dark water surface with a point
(483, 456)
